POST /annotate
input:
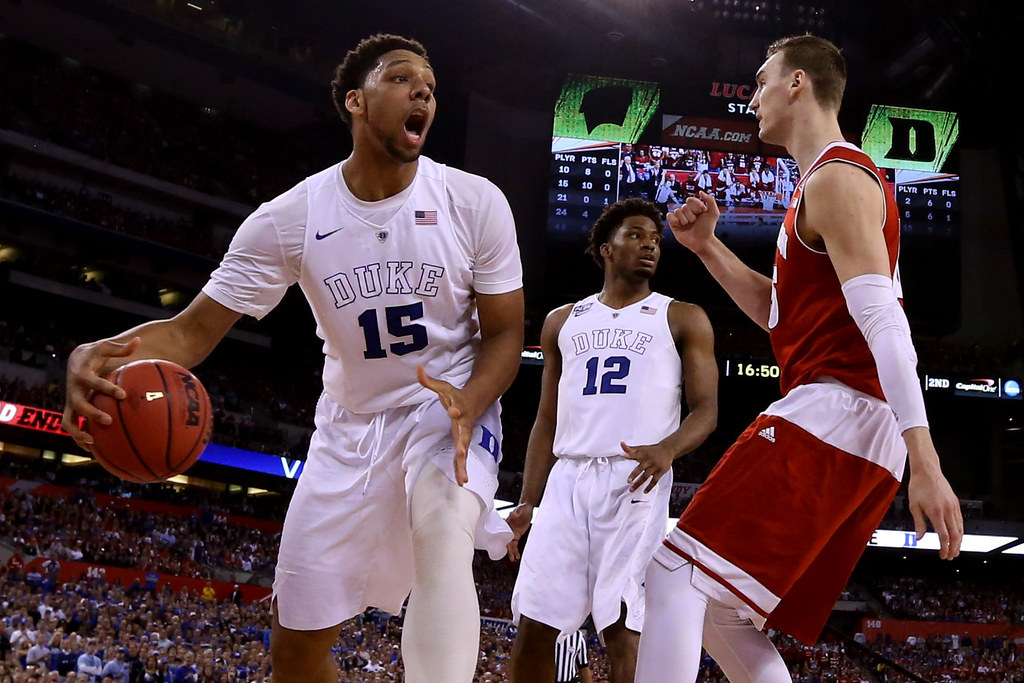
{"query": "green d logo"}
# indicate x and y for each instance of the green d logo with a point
(912, 139)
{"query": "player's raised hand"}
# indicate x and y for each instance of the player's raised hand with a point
(652, 462)
(87, 366)
(694, 222)
(932, 497)
(519, 521)
(453, 401)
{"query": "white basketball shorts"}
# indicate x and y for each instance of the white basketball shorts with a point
(588, 550)
(347, 538)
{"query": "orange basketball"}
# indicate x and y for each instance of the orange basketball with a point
(160, 428)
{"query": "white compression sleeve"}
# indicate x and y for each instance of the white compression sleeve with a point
(872, 302)
(441, 636)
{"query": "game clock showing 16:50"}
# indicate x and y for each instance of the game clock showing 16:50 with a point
(755, 370)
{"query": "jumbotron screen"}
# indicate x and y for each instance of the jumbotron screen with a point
(752, 191)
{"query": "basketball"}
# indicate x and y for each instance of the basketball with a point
(159, 429)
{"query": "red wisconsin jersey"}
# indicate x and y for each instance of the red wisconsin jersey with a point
(812, 332)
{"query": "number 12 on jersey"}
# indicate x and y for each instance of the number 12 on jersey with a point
(614, 368)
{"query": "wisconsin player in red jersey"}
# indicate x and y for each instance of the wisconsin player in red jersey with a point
(773, 534)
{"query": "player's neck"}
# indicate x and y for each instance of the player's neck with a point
(810, 136)
(373, 177)
(619, 293)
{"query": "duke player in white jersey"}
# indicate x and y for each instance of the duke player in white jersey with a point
(616, 366)
(413, 276)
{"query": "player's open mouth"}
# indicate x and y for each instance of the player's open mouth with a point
(415, 125)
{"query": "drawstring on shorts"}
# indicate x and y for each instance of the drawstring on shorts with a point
(374, 450)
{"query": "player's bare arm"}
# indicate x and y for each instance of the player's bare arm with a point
(540, 457)
(693, 225)
(186, 339)
(501, 333)
(843, 211)
(696, 343)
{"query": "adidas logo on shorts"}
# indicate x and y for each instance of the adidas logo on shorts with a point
(768, 433)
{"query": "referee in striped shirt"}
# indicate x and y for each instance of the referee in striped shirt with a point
(571, 662)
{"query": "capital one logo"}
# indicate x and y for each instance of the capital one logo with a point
(911, 139)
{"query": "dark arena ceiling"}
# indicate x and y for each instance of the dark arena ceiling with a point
(269, 61)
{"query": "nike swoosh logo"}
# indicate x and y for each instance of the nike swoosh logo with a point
(327, 234)
(634, 501)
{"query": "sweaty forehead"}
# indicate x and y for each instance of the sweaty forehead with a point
(400, 57)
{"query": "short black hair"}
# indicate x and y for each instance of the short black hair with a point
(613, 216)
(351, 73)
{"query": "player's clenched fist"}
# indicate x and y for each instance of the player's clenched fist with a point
(694, 221)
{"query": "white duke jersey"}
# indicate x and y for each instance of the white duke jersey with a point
(621, 378)
(392, 284)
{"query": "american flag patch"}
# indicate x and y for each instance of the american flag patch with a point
(648, 310)
(426, 218)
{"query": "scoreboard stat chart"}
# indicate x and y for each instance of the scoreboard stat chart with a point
(929, 202)
(585, 179)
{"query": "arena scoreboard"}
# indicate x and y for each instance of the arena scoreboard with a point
(929, 202)
(585, 179)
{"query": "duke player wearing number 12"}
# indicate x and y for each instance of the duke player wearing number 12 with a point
(410, 268)
(775, 531)
(616, 366)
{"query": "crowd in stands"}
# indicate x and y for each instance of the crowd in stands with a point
(164, 637)
(88, 630)
(80, 529)
(96, 481)
(227, 641)
(913, 597)
(952, 658)
(98, 208)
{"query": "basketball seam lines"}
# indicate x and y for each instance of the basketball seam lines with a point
(131, 441)
(170, 420)
(130, 475)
